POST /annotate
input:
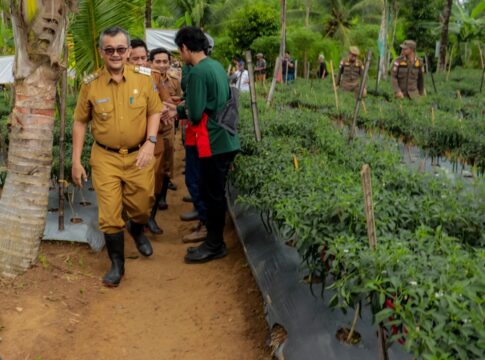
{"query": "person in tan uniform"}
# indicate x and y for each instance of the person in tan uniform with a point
(139, 57)
(122, 106)
(407, 73)
(170, 91)
(351, 71)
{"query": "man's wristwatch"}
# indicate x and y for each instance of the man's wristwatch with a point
(152, 139)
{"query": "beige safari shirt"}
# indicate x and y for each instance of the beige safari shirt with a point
(349, 74)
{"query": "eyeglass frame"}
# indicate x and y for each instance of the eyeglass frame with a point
(110, 51)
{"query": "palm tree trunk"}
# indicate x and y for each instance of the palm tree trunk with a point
(148, 14)
(444, 34)
(39, 39)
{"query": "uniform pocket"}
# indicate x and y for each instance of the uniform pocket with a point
(104, 111)
(138, 106)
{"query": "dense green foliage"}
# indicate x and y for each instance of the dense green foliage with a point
(457, 132)
(424, 281)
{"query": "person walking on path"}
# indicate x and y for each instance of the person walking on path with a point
(351, 71)
(170, 91)
(407, 73)
(122, 106)
(207, 92)
(139, 57)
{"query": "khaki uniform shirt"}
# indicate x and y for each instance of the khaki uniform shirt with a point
(408, 77)
(168, 86)
(349, 74)
(118, 111)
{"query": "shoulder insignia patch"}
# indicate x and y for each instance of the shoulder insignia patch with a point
(403, 63)
(88, 78)
(143, 70)
(417, 63)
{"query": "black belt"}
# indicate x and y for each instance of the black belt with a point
(122, 151)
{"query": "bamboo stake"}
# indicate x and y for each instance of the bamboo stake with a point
(334, 87)
(364, 107)
(282, 53)
(359, 97)
(286, 73)
(273, 81)
(371, 233)
(432, 116)
(62, 145)
(254, 104)
(296, 69)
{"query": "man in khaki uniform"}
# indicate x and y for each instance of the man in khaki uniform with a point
(169, 90)
(139, 57)
(407, 72)
(350, 72)
(122, 105)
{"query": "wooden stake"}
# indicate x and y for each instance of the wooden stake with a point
(273, 81)
(371, 233)
(365, 175)
(254, 104)
(62, 145)
(334, 87)
(286, 73)
(296, 69)
(364, 107)
(363, 83)
(279, 59)
(432, 116)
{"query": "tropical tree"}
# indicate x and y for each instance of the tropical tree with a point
(95, 16)
(444, 34)
(39, 33)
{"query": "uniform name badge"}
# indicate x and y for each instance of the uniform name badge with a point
(102, 101)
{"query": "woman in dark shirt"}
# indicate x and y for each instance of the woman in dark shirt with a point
(322, 70)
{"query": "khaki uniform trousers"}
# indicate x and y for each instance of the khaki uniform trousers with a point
(119, 185)
(164, 156)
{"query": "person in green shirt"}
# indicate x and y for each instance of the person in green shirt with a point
(207, 91)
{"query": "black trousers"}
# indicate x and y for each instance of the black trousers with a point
(213, 176)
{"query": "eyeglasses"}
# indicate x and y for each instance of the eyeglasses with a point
(110, 51)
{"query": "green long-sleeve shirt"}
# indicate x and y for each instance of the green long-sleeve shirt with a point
(207, 91)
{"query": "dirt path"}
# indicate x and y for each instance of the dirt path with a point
(164, 309)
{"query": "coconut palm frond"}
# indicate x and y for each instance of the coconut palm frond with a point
(93, 17)
(219, 12)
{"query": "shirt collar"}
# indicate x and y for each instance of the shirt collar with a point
(107, 76)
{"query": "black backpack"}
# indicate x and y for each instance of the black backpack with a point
(228, 116)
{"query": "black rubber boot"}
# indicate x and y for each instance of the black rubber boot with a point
(142, 243)
(152, 224)
(162, 202)
(115, 244)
